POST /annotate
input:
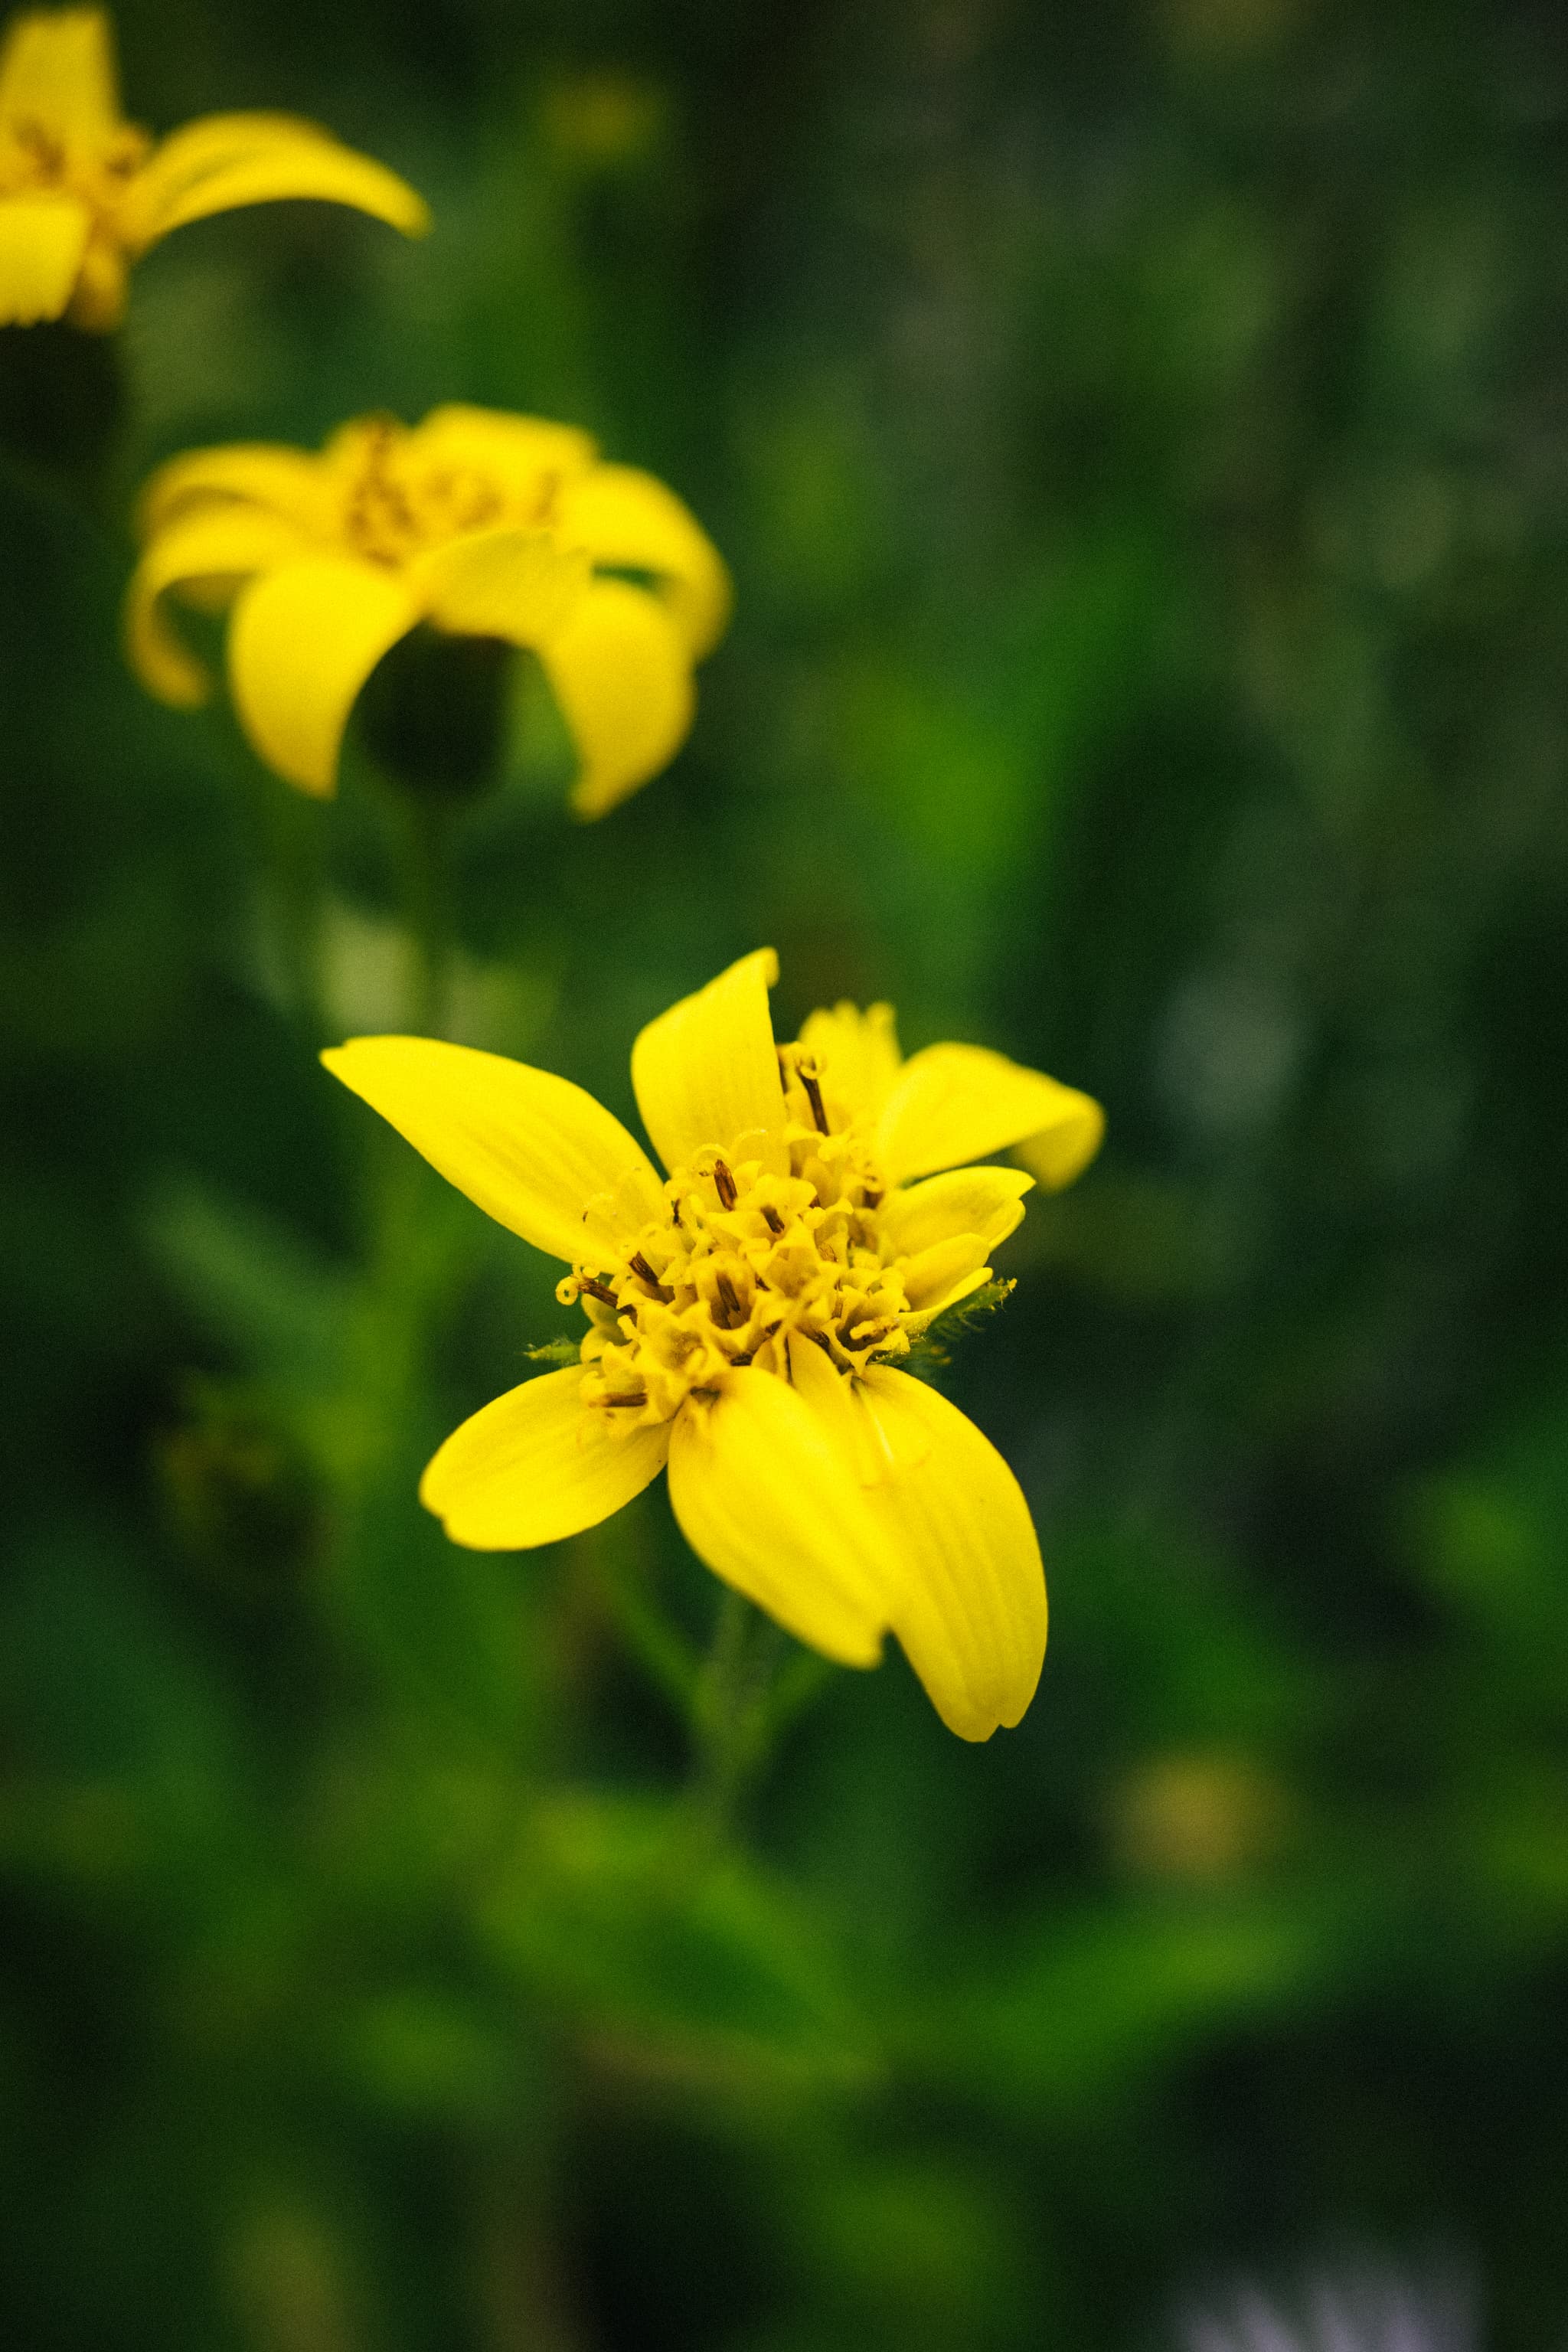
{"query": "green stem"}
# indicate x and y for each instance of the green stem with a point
(730, 1720)
(422, 827)
(802, 1682)
(664, 1654)
(432, 914)
(294, 850)
(63, 404)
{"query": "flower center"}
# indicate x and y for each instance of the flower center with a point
(397, 504)
(36, 161)
(746, 1257)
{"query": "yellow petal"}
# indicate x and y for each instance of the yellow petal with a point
(515, 585)
(628, 518)
(840, 1405)
(98, 298)
(228, 160)
(537, 1465)
(985, 1201)
(708, 1071)
(56, 70)
(859, 1051)
(532, 1149)
(943, 1273)
(832, 1399)
(288, 483)
(621, 672)
(1064, 1150)
(212, 548)
(527, 456)
(970, 1607)
(765, 1497)
(42, 241)
(884, 1449)
(964, 1287)
(302, 642)
(956, 1103)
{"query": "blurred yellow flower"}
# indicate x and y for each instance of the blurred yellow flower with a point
(480, 523)
(83, 193)
(747, 1315)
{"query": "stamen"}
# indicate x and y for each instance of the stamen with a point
(827, 1280)
(641, 1268)
(728, 1299)
(46, 150)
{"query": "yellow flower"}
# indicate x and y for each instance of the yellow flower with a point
(83, 193)
(747, 1315)
(480, 523)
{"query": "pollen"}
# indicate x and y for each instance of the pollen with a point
(745, 1257)
(399, 500)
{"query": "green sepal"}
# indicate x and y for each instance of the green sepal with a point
(931, 1351)
(555, 1351)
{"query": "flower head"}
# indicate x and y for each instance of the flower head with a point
(83, 193)
(748, 1314)
(479, 523)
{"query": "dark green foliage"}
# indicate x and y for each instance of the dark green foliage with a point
(1136, 433)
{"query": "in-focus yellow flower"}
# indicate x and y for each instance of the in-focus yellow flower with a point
(747, 1315)
(480, 523)
(83, 193)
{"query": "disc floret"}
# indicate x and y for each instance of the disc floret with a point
(746, 1257)
(401, 498)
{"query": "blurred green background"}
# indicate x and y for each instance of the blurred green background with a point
(1136, 427)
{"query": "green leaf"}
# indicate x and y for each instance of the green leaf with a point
(676, 1963)
(279, 1305)
(1080, 2008)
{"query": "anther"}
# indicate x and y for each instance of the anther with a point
(728, 1299)
(724, 1185)
(742, 1358)
(774, 1220)
(814, 1090)
(645, 1273)
(612, 1400)
(599, 1290)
